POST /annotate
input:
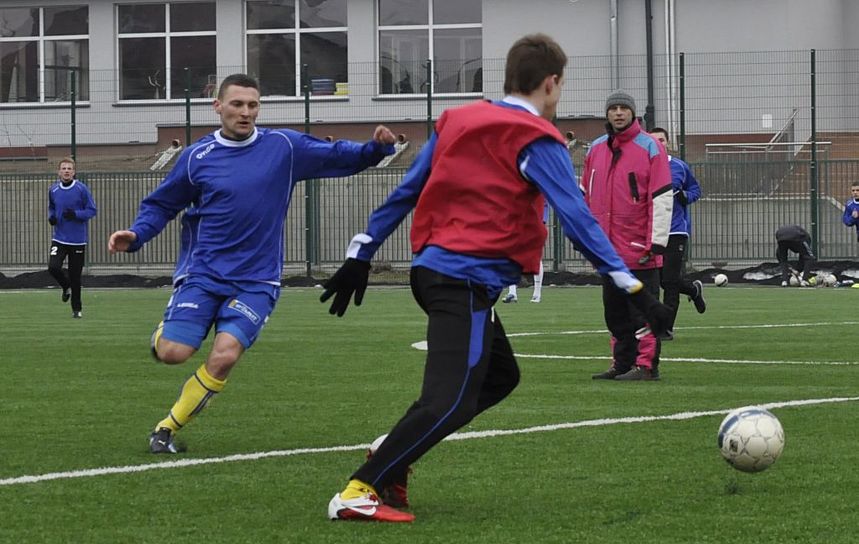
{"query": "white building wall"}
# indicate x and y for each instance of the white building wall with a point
(703, 27)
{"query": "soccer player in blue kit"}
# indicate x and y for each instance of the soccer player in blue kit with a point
(70, 207)
(477, 189)
(235, 186)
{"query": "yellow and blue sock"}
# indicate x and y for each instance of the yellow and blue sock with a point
(195, 394)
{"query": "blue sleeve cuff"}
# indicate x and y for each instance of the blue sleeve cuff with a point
(137, 244)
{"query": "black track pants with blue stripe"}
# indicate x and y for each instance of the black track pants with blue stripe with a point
(469, 368)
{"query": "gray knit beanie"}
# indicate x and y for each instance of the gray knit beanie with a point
(620, 98)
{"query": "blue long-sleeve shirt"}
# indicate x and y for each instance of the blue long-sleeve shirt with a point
(76, 197)
(546, 163)
(682, 182)
(237, 195)
(851, 206)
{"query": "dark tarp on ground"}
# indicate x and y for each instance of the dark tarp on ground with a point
(763, 274)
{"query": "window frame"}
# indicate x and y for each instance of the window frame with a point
(167, 34)
(430, 28)
(297, 31)
(40, 41)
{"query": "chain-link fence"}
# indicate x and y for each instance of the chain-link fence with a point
(773, 138)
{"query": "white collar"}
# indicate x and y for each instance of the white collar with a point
(232, 143)
(521, 102)
(66, 187)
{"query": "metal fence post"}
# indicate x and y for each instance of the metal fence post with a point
(429, 99)
(187, 107)
(310, 256)
(681, 141)
(815, 227)
(558, 243)
(74, 129)
(650, 109)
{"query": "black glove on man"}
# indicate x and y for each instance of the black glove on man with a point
(350, 278)
(658, 314)
(69, 213)
(52, 221)
(681, 197)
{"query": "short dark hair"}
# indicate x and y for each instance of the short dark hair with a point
(662, 130)
(530, 60)
(242, 80)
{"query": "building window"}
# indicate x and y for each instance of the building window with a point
(448, 31)
(283, 35)
(41, 50)
(166, 48)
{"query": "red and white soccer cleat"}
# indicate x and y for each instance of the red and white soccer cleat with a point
(365, 508)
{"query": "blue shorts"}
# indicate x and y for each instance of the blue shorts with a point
(193, 309)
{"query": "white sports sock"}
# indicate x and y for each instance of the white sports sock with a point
(538, 282)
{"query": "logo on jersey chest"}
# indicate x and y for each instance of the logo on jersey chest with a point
(206, 151)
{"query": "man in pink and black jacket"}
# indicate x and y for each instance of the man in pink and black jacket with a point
(627, 185)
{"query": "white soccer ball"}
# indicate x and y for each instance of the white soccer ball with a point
(830, 280)
(376, 443)
(720, 280)
(794, 280)
(751, 438)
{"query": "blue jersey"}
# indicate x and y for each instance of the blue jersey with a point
(546, 163)
(235, 196)
(851, 206)
(76, 197)
(683, 182)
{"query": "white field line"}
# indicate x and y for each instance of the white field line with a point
(717, 327)
(422, 346)
(129, 469)
(690, 360)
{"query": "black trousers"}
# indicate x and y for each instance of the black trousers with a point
(469, 368)
(72, 278)
(624, 321)
(673, 282)
(806, 258)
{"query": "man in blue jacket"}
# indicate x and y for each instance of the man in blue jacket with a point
(686, 191)
(851, 208)
(234, 186)
(70, 207)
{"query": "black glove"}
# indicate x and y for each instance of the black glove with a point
(69, 213)
(681, 197)
(658, 314)
(52, 220)
(350, 278)
(657, 249)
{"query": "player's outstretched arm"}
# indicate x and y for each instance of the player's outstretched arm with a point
(352, 277)
(121, 240)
